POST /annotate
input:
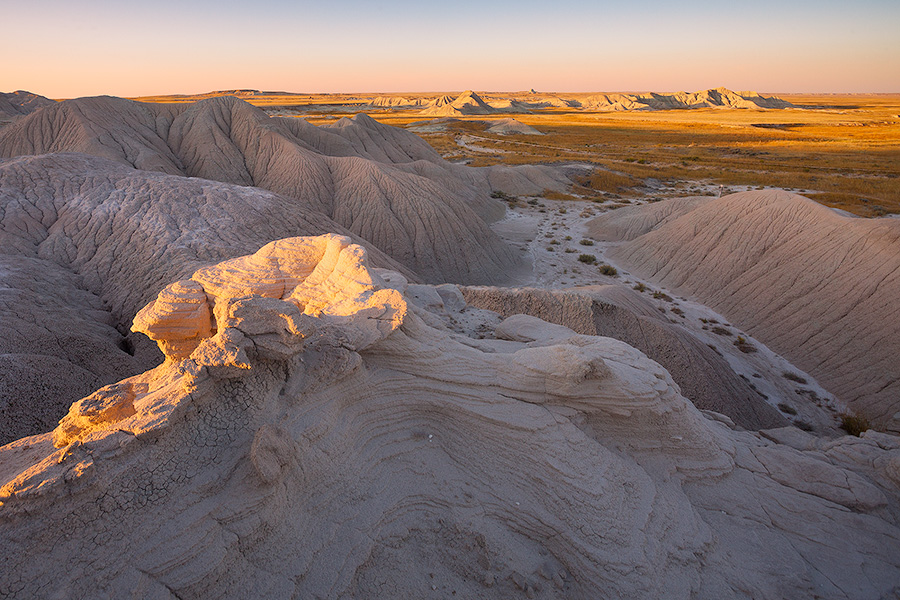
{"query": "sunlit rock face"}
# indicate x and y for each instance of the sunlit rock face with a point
(320, 428)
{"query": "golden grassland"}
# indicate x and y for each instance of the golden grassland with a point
(843, 150)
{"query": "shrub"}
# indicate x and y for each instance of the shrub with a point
(854, 424)
(586, 242)
(794, 377)
(608, 270)
(662, 296)
(587, 258)
(743, 345)
(720, 331)
(568, 238)
(787, 408)
(640, 287)
(677, 311)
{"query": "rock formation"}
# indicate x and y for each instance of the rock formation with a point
(382, 183)
(615, 311)
(714, 98)
(394, 102)
(14, 104)
(818, 287)
(467, 103)
(315, 433)
(510, 126)
(84, 243)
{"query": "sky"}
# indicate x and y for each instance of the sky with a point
(65, 49)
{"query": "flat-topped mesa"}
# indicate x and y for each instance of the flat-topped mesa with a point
(324, 276)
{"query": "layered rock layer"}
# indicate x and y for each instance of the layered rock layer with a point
(326, 436)
(818, 287)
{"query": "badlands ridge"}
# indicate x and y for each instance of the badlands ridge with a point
(234, 367)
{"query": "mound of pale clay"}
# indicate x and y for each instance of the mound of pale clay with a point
(629, 222)
(314, 434)
(382, 183)
(509, 105)
(58, 344)
(467, 103)
(13, 104)
(394, 102)
(713, 98)
(703, 376)
(818, 287)
(510, 126)
(553, 101)
(85, 243)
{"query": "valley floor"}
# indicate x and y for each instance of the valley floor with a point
(553, 235)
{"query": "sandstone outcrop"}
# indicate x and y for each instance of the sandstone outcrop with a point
(332, 438)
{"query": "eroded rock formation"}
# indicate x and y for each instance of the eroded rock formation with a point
(614, 311)
(382, 183)
(818, 287)
(316, 432)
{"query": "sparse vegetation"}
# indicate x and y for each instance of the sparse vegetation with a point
(586, 242)
(662, 296)
(794, 377)
(640, 287)
(787, 408)
(587, 258)
(608, 270)
(847, 158)
(854, 424)
(743, 345)
(720, 331)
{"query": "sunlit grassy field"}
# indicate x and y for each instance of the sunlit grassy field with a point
(844, 151)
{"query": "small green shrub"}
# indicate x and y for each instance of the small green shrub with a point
(640, 287)
(568, 238)
(588, 259)
(586, 242)
(662, 296)
(609, 270)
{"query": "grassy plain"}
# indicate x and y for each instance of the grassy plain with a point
(843, 151)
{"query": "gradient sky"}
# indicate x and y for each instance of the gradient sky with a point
(64, 49)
